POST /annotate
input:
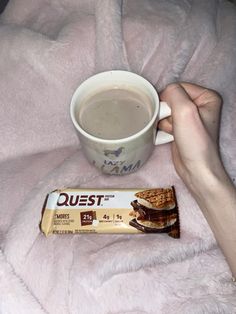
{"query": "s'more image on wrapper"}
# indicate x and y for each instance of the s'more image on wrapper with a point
(156, 211)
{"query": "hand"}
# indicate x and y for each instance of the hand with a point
(195, 125)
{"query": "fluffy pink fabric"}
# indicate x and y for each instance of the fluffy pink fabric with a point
(47, 49)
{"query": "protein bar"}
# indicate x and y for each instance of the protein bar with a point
(71, 211)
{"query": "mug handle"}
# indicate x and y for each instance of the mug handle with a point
(161, 136)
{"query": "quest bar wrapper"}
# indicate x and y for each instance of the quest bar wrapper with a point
(72, 211)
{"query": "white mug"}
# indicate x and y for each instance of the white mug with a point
(126, 155)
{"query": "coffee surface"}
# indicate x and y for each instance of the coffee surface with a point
(115, 113)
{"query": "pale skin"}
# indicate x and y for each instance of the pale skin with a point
(195, 152)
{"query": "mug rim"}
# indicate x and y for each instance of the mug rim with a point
(120, 140)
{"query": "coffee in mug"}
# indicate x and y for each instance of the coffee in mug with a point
(114, 113)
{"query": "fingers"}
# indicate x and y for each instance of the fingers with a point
(182, 107)
(209, 103)
(201, 95)
(187, 124)
(188, 101)
(166, 125)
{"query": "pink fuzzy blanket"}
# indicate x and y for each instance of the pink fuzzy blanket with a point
(47, 48)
